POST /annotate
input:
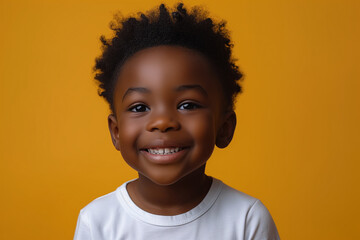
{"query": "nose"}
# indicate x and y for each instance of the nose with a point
(162, 122)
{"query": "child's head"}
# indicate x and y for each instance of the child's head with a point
(170, 82)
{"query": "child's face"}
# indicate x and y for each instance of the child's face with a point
(168, 113)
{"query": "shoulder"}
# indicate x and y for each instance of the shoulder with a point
(101, 208)
(260, 224)
(94, 214)
(102, 200)
(235, 198)
(250, 212)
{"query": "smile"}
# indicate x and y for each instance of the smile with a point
(164, 154)
(164, 151)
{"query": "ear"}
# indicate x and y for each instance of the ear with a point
(114, 131)
(226, 130)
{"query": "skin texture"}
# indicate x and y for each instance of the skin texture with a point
(169, 97)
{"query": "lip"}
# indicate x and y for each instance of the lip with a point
(164, 158)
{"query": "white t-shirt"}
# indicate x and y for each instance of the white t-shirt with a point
(224, 213)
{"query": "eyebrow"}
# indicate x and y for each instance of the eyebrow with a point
(178, 89)
(187, 87)
(135, 89)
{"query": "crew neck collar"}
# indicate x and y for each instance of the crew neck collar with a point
(175, 220)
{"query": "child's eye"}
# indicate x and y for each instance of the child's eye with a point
(189, 106)
(139, 108)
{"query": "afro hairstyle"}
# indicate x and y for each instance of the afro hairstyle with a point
(194, 30)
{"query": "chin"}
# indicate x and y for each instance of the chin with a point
(165, 177)
(171, 176)
(164, 180)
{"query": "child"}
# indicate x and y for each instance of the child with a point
(171, 83)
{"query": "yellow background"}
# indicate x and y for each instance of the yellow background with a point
(296, 146)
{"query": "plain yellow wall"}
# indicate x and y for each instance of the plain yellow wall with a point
(296, 146)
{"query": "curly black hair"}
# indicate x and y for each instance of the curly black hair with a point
(195, 31)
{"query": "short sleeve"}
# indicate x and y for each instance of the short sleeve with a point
(259, 224)
(82, 231)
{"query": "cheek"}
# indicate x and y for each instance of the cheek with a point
(202, 128)
(128, 134)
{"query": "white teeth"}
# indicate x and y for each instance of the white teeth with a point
(163, 151)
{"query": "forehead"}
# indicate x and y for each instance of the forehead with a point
(170, 64)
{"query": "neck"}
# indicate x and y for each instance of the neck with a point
(172, 199)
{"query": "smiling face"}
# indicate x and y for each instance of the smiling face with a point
(168, 113)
